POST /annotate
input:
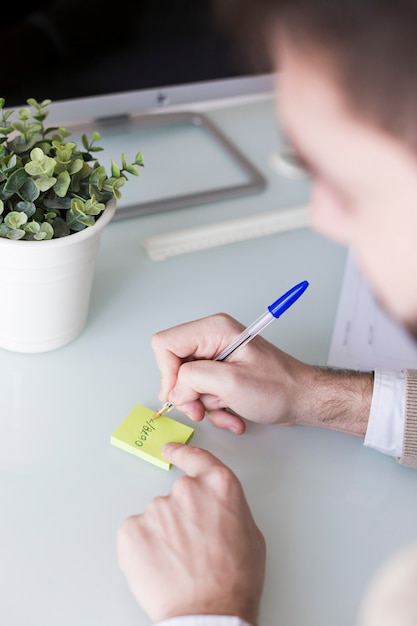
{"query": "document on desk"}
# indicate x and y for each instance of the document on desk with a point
(364, 336)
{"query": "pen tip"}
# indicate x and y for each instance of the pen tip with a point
(165, 408)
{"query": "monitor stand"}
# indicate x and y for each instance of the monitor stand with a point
(188, 161)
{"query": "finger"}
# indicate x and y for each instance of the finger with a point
(227, 421)
(202, 339)
(197, 378)
(221, 416)
(194, 410)
(193, 461)
(197, 409)
(168, 364)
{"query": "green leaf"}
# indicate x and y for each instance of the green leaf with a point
(22, 143)
(80, 224)
(76, 216)
(50, 216)
(24, 114)
(139, 159)
(92, 207)
(8, 163)
(4, 230)
(75, 166)
(32, 228)
(115, 170)
(51, 129)
(113, 185)
(62, 184)
(85, 141)
(26, 207)
(17, 233)
(15, 219)
(29, 191)
(132, 170)
(19, 126)
(46, 232)
(98, 177)
(61, 228)
(58, 204)
(1, 206)
(15, 181)
(63, 133)
(38, 232)
(40, 164)
(45, 182)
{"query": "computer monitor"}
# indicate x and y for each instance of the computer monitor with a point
(109, 65)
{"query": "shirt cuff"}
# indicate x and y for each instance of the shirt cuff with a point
(385, 431)
(204, 620)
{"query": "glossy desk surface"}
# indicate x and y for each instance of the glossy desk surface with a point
(331, 510)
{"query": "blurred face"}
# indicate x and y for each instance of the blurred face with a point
(364, 191)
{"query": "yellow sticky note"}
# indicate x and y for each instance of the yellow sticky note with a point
(143, 436)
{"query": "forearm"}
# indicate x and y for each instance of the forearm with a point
(335, 399)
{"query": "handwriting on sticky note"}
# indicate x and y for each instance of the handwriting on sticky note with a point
(144, 437)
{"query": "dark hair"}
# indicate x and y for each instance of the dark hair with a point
(371, 45)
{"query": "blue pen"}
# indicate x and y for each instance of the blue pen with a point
(273, 312)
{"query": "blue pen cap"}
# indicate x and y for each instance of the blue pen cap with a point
(284, 302)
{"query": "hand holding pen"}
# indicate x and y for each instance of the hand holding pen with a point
(193, 382)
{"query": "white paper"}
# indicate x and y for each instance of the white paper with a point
(364, 337)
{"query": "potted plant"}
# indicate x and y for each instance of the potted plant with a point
(55, 199)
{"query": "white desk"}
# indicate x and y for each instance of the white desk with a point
(331, 510)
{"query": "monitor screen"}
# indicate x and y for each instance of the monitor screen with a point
(105, 64)
(151, 53)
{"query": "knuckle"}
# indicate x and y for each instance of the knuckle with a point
(226, 320)
(182, 487)
(128, 529)
(223, 479)
(187, 370)
(154, 507)
(157, 340)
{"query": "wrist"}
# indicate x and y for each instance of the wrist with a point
(205, 613)
(336, 399)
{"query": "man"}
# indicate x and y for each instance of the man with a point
(348, 102)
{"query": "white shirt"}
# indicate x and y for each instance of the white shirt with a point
(204, 620)
(385, 433)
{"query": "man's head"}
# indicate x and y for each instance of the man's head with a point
(347, 98)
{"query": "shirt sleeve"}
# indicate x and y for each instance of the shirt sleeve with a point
(385, 431)
(409, 452)
(204, 620)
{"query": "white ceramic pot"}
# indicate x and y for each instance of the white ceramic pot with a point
(45, 287)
